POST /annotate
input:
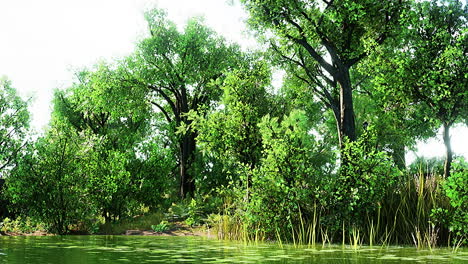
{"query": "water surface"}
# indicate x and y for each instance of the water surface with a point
(154, 249)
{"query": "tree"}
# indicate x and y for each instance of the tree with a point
(397, 125)
(179, 72)
(430, 67)
(118, 126)
(228, 134)
(94, 103)
(14, 123)
(320, 41)
(49, 182)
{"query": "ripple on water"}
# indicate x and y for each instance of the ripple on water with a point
(120, 249)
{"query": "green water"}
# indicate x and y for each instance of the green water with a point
(138, 249)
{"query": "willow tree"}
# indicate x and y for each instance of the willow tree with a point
(319, 42)
(179, 71)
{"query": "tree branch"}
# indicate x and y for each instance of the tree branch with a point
(168, 118)
(174, 108)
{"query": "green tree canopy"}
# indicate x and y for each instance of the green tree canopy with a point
(49, 182)
(179, 72)
(431, 65)
(319, 41)
(14, 123)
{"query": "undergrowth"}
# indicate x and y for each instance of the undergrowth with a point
(405, 216)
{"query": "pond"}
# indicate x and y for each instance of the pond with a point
(163, 249)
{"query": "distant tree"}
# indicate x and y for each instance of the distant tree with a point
(179, 72)
(397, 125)
(14, 124)
(431, 66)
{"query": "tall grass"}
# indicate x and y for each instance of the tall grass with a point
(229, 227)
(406, 211)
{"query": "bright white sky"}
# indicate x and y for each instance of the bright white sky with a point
(44, 41)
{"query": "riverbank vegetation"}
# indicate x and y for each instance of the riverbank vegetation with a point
(189, 128)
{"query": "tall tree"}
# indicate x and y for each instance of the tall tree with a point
(94, 103)
(179, 71)
(14, 123)
(431, 65)
(319, 42)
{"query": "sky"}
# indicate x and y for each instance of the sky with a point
(44, 42)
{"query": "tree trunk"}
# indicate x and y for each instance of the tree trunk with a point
(448, 148)
(344, 112)
(187, 155)
(347, 125)
(3, 203)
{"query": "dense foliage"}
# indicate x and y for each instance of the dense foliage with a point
(429, 66)
(456, 188)
(191, 126)
(49, 182)
(14, 122)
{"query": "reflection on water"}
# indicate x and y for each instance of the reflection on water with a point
(135, 249)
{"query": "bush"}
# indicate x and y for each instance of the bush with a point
(365, 176)
(284, 185)
(141, 222)
(20, 225)
(427, 166)
(456, 188)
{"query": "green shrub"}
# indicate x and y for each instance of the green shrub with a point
(20, 225)
(273, 195)
(191, 211)
(141, 222)
(365, 177)
(48, 183)
(456, 188)
(427, 166)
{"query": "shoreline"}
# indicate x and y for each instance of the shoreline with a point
(178, 230)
